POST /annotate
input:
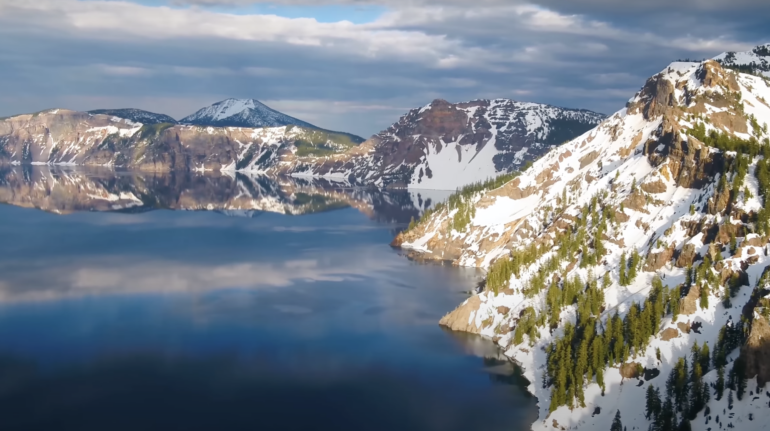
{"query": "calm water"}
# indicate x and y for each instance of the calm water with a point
(195, 320)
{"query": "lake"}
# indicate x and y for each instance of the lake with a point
(198, 302)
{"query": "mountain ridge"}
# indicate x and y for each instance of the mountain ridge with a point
(479, 139)
(136, 115)
(446, 145)
(657, 212)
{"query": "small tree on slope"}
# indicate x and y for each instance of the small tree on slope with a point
(617, 425)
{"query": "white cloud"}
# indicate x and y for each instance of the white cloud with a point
(122, 54)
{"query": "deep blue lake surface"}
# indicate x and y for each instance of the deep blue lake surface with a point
(195, 320)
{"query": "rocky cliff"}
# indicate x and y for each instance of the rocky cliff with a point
(448, 145)
(619, 253)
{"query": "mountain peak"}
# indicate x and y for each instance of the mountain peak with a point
(242, 113)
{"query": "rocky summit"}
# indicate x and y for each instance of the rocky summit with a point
(448, 145)
(627, 268)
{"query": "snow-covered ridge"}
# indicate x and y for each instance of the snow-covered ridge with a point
(647, 176)
(757, 60)
(135, 115)
(449, 145)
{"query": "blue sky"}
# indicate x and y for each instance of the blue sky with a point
(353, 65)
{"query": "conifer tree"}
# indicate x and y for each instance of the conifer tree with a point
(720, 384)
(623, 267)
(704, 296)
(633, 266)
(617, 425)
(705, 358)
(652, 406)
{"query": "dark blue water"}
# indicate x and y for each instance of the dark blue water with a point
(182, 320)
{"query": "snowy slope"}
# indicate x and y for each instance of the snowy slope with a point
(135, 115)
(661, 186)
(444, 146)
(754, 61)
(241, 113)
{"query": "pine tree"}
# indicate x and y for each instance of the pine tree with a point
(704, 296)
(623, 267)
(705, 358)
(720, 384)
(652, 406)
(617, 425)
(606, 281)
(633, 266)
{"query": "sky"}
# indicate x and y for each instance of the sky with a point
(353, 65)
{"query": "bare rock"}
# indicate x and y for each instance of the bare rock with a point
(689, 304)
(630, 370)
(669, 334)
(756, 351)
(684, 327)
(687, 256)
(656, 186)
(655, 261)
(458, 320)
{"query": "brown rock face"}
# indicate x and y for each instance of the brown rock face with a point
(457, 320)
(655, 261)
(636, 201)
(689, 304)
(654, 187)
(756, 351)
(687, 256)
(684, 327)
(669, 334)
(718, 202)
(656, 97)
(712, 75)
(630, 370)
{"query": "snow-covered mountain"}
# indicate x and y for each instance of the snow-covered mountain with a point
(756, 61)
(617, 256)
(242, 113)
(63, 137)
(441, 146)
(448, 145)
(135, 115)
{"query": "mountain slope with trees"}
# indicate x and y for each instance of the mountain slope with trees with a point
(626, 268)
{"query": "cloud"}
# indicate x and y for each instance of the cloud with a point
(357, 77)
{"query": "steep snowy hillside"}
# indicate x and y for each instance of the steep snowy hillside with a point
(625, 268)
(135, 115)
(241, 113)
(446, 146)
(756, 61)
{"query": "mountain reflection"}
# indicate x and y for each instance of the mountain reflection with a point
(65, 190)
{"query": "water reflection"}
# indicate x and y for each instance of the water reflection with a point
(117, 317)
(65, 190)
